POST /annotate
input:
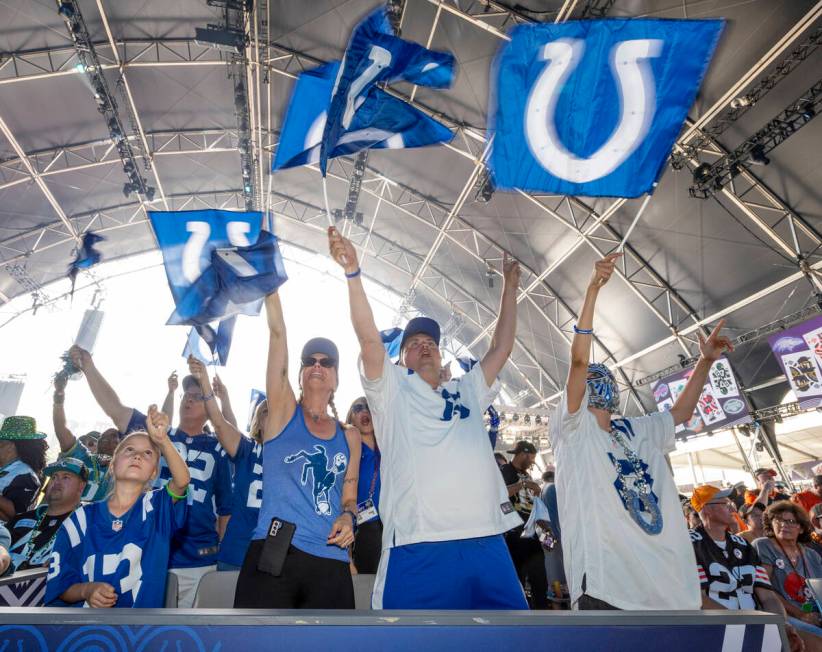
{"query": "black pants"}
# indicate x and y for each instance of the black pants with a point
(367, 547)
(529, 561)
(587, 603)
(307, 582)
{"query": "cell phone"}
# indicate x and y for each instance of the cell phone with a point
(275, 547)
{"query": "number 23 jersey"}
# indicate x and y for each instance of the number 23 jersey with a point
(730, 575)
(129, 552)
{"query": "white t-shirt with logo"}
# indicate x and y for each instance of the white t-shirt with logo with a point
(620, 563)
(440, 481)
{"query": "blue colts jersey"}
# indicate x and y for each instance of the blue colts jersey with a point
(129, 552)
(209, 494)
(245, 506)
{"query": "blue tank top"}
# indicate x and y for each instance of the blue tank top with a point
(302, 483)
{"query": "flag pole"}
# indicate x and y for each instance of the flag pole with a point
(639, 213)
(327, 207)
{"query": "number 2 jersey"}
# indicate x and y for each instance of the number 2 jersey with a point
(728, 575)
(129, 552)
(209, 494)
(248, 496)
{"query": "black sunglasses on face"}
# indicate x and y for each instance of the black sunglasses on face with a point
(310, 361)
(360, 407)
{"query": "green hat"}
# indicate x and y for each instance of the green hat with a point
(70, 464)
(20, 428)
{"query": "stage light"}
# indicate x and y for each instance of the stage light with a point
(220, 39)
(741, 101)
(149, 193)
(808, 110)
(66, 10)
(758, 155)
(702, 172)
(128, 188)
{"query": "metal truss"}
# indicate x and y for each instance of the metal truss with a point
(711, 177)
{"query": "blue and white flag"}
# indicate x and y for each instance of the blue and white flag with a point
(381, 122)
(187, 240)
(238, 277)
(257, 397)
(87, 256)
(593, 107)
(375, 55)
(217, 337)
(391, 339)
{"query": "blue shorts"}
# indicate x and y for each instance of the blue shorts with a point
(463, 574)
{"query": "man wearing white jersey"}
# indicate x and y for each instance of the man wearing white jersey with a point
(633, 551)
(443, 503)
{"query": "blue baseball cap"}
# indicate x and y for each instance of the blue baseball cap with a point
(322, 345)
(70, 464)
(424, 325)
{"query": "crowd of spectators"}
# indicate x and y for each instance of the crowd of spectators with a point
(121, 509)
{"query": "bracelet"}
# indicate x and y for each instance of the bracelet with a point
(175, 496)
(353, 274)
(353, 517)
(583, 331)
(208, 397)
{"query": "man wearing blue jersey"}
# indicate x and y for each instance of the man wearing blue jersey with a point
(443, 502)
(194, 547)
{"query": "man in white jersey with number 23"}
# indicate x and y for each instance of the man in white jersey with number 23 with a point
(443, 502)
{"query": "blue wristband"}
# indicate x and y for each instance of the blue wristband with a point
(353, 274)
(583, 331)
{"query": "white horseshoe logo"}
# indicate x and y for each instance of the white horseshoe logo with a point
(629, 65)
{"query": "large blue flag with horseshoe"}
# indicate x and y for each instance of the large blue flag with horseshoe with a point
(593, 107)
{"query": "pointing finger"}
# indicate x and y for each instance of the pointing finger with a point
(718, 328)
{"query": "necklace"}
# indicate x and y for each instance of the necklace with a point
(638, 500)
(35, 532)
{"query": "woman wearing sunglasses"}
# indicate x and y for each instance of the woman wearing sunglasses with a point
(298, 556)
(368, 538)
(790, 562)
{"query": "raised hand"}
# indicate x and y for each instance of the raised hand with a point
(101, 595)
(342, 251)
(219, 389)
(197, 369)
(80, 358)
(603, 269)
(716, 344)
(157, 425)
(173, 382)
(510, 271)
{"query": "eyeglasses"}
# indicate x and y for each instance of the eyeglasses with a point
(310, 361)
(786, 522)
(360, 407)
(193, 396)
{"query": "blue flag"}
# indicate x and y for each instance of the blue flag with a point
(257, 397)
(593, 107)
(218, 341)
(87, 256)
(381, 122)
(187, 240)
(375, 55)
(237, 278)
(391, 339)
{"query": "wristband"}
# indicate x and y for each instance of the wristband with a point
(175, 496)
(583, 331)
(353, 274)
(353, 517)
(208, 397)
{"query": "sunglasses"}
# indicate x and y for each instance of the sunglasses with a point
(310, 361)
(360, 407)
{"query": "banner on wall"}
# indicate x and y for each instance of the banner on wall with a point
(721, 404)
(799, 352)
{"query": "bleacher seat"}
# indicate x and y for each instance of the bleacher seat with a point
(363, 585)
(216, 590)
(172, 591)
